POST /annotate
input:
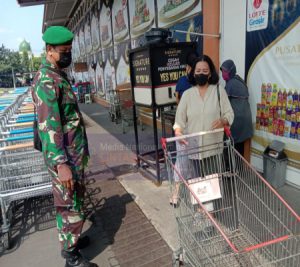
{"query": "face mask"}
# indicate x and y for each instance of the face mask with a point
(201, 79)
(65, 59)
(226, 75)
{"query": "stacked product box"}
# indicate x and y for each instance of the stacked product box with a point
(279, 111)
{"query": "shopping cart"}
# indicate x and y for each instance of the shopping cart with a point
(23, 173)
(227, 214)
(83, 88)
(114, 106)
(126, 106)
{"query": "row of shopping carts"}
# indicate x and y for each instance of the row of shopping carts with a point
(227, 214)
(121, 107)
(23, 173)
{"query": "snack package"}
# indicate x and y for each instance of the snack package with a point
(287, 128)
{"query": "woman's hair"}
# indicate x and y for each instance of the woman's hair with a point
(214, 77)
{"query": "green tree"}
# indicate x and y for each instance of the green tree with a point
(9, 61)
(25, 61)
(37, 61)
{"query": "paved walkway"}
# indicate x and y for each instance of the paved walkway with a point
(121, 234)
(130, 221)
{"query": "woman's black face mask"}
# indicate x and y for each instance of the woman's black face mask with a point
(201, 79)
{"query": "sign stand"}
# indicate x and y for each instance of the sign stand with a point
(154, 71)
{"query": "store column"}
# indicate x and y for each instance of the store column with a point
(211, 25)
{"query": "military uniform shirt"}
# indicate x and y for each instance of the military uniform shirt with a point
(60, 124)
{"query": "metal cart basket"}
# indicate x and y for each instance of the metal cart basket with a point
(23, 173)
(126, 106)
(227, 214)
(114, 106)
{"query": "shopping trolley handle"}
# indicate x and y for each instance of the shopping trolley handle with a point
(182, 137)
(163, 142)
(227, 131)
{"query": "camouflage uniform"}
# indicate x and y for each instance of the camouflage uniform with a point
(63, 136)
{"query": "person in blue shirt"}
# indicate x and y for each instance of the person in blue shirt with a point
(183, 82)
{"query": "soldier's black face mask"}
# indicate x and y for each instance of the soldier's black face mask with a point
(65, 59)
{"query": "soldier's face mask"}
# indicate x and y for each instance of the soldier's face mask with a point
(65, 59)
(65, 56)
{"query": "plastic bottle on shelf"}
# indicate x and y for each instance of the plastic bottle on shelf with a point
(271, 112)
(293, 124)
(263, 93)
(279, 112)
(283, 113)
(274, 96)
(258, 110)
(298, 114)
(290, 99)
(287, 128)
(295, 100)
(288, 114)
(257, 124)
(280, 98)
(267, 111)
(298, 130)
(284, 96)
(281, 127)
(275, 126)
(270, 128)
(269, 94)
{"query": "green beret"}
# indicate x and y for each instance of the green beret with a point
(57, 35)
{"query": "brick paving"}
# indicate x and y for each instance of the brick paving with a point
(133, 240)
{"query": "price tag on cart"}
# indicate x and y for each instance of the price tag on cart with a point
(205, 188)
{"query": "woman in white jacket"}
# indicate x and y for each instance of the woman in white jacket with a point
(203, 107)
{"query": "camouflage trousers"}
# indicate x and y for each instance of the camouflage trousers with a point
(69, 209)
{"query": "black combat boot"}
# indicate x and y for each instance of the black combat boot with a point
(75, 259)
(83, 242)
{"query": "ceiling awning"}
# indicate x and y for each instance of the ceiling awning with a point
(56, 12)
(35, 2)
(59, 12)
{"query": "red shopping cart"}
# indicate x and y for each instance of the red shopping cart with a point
(227, 214)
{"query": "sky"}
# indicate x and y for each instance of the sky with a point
(18, 23)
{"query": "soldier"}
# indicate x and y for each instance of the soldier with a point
(64, 142)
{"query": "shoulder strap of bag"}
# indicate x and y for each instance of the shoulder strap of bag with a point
(218, 93)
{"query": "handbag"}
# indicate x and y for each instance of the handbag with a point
(37, 143)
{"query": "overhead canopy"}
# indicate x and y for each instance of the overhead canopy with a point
(56, 12)
(34, 2)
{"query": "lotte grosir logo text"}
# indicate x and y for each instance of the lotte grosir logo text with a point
(257, 3)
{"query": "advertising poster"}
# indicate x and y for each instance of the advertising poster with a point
(82, 41)
(173, 11)
(120, 21)
(122, 62)
(188, 27)
(87, 36)
(78, 76)
(85, 76)
(100, 88)
(91, 71)
(95, 29)
(137, 42)
(142, 16)
(109, 70)
(105, 26)
(75, 48)
(272, 67)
